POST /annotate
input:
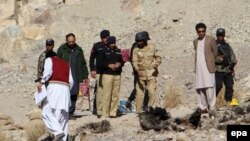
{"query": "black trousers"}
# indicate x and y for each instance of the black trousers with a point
(72, 107)
(133, 94)
(227, 79)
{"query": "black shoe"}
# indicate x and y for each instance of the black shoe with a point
(112, 116)
(128, 105)
(99, 116)
(59, 137)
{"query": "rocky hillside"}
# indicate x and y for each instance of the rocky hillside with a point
(25, 24)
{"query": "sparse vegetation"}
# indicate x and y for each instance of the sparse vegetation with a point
(220, 100)
(172, 96)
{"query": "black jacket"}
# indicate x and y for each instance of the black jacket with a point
(229, 59)
(111, 56)
(95, 59)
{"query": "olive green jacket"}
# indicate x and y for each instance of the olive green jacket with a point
(64, 53)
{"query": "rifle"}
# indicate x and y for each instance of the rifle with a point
(226, 59)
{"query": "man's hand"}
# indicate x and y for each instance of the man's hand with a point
(93, 74)
(118, 64)
(39, 87)
(112, 66)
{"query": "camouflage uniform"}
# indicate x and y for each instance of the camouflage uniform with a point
(225, 63)
(40, 66)
(145, 59)
(41, 61)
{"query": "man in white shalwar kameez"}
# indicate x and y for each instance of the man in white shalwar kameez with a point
(55, 110)
(205, 54)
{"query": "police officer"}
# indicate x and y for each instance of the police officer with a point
(41, 60)
(145, 61)
(225, 63)
(111, 78)
(94, 61)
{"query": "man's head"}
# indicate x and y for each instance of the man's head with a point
(104, 36)
(201, 30)
(141, 38)
(70, 39)
(220, 34)
(111, 41)
(49, 44)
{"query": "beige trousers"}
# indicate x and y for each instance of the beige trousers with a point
(141, 85)
(98, 95)
(110, 94)
(206, 98)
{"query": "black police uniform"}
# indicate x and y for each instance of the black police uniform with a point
(94, 61)
(111, 56)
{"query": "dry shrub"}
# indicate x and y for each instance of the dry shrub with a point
(172, 96)
(220, 100)
(34, 129)
(95, 127)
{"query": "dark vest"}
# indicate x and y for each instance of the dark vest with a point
(60, 70)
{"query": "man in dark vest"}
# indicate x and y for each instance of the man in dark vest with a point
(55, 107)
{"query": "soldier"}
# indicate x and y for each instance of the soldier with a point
(205, 55)
(73, 54)
(111, 78)
(41, 60)
(133, 93)
(94, 61)
(225, 63)
(145, 62)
